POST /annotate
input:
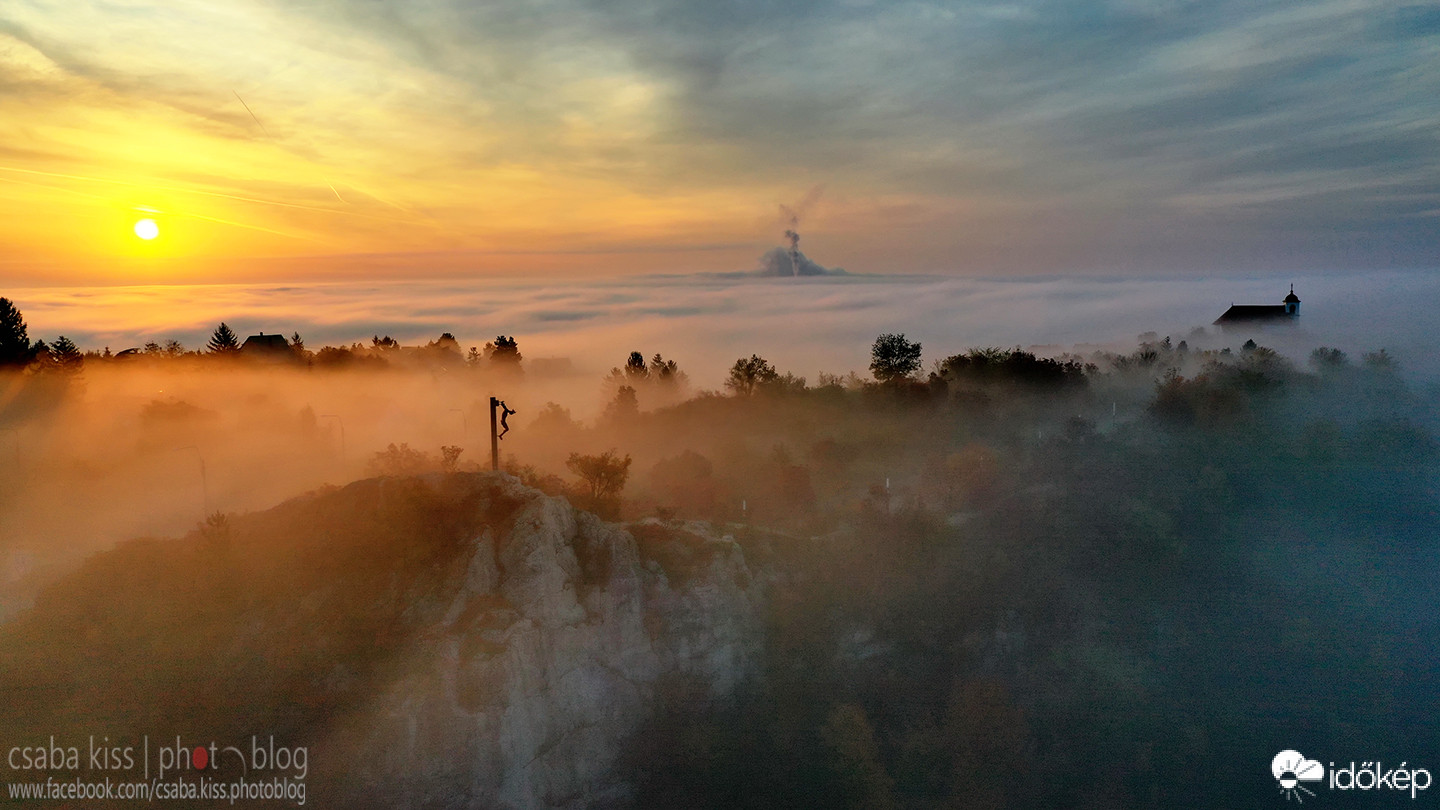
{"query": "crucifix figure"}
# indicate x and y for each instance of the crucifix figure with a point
(505, 412)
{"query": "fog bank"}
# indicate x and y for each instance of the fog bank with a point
(804, 325)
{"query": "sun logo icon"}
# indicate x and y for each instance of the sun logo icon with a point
(1290, 768)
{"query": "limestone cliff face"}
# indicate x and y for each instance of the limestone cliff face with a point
(542, 658)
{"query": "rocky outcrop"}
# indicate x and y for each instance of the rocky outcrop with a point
(542, 656)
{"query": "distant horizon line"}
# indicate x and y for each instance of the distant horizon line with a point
(524, 278)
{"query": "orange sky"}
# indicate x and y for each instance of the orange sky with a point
(345, 150)
(581, 136)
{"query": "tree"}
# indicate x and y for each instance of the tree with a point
(298, 344)
(402, 460)
(667, 373)
(603, 477)
(40, 354)
(223, 341)
(624, 409)
(504, 352)
(664, 370)
(893, 358)
(450, 457)
(1326, 359)
(1379, 361)
(15, 350)
(747, 375)
(554, 420)
(659, 383)
(686, 482)
(66, 356)
(635, 369)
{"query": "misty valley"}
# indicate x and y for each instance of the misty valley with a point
(970, 577)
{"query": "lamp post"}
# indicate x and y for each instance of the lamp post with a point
(464, 424)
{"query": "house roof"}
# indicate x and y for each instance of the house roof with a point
(1253, 312)
(265, 343)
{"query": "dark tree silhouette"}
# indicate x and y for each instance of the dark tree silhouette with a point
(894, 358)
(635, 369)
(15, 349)
(66, 356)
(505, 351)
(666, 372)
(994, 366)
(660, 376)
(602, 478)
(223, 341)
(748, 375)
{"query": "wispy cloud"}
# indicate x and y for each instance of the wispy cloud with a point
(1044, 135)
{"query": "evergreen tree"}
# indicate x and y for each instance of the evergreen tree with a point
(504, 352)
(66, 356)
(224, 340)
(635, 368)
(624, 408)
(666, 372)
(15, 349)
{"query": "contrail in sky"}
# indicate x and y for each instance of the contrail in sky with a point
(256, 119)
(252, 115)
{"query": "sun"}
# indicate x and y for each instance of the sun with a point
(147, 229)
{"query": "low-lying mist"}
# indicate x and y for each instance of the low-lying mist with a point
(153, 442)
(805, 325)
(978, 565)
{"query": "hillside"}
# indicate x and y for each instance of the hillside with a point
(452, 641)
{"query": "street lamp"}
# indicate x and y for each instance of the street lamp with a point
(464, 424)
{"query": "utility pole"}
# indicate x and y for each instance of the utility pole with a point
(494, 435)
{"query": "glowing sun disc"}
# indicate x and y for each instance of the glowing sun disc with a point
(147, 229)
